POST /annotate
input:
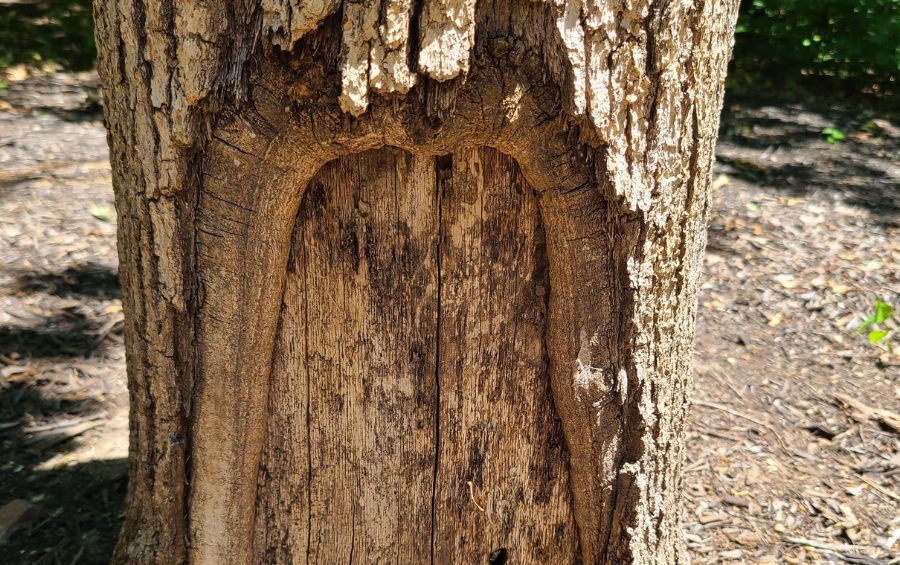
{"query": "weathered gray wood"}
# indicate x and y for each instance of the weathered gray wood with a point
(349, 462)
(409, 408)
(502, 469)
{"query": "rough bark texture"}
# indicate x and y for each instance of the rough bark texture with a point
(409, 281)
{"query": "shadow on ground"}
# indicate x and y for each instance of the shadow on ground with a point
(783, 147)
(56, 389)
(68, 331)
(66, 334)
(90, 279)
(76, 507)
(79, 513)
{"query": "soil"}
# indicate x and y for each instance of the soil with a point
(63, 404)
(783, 463)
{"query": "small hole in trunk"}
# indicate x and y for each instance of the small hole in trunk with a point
(498, 556)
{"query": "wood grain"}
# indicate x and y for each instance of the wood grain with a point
(410, 414)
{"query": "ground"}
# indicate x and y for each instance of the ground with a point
(784, 465)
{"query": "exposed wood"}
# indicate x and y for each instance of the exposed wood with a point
(438, 439)
(348, 468)
(497, 425)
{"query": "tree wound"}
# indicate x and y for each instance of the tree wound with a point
(410, 411)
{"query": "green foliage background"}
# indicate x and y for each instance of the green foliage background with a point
(853, 45)
(38, 32)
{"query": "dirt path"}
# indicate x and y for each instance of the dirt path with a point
(804, 237)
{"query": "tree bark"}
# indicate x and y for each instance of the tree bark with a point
(409, 281)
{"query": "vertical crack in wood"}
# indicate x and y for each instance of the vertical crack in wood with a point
(415, 17)
(353, 528)
(194, 292)
(443, 172)
(308, 408)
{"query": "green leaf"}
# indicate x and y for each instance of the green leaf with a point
(833, 135)
(883, 311)
(102, 213)
(865, 325)
(877, 335)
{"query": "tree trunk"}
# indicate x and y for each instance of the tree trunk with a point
(409, 281)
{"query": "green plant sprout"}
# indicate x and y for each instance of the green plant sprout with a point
(833, 135)
(883, 313)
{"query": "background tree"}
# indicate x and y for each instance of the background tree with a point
(409, 281)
